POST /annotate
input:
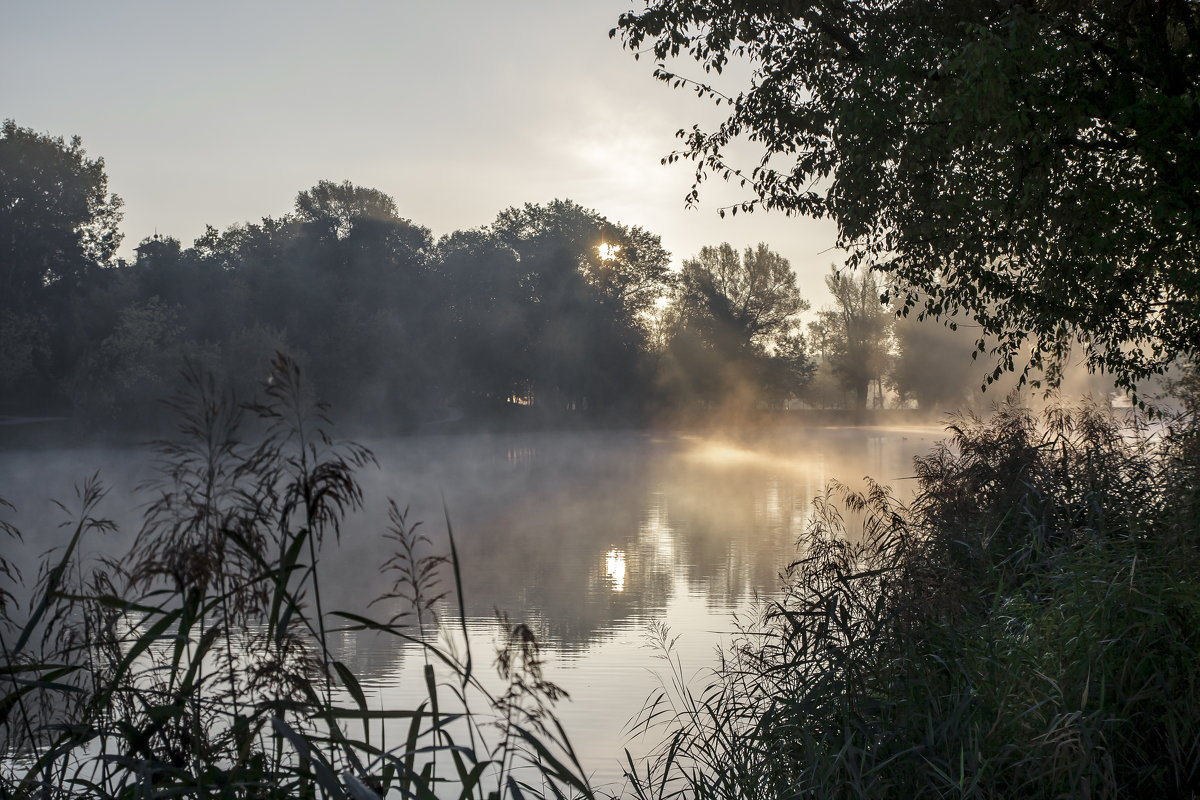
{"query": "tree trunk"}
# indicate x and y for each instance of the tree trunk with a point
(860, 395)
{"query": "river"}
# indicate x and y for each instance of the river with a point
(591, 538)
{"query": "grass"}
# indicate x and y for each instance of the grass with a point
(200, 663)
(1027, 626)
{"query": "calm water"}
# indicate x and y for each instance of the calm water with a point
(590, 538)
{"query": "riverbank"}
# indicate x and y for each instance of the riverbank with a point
(1004, 623)
(32, 432)
(1025, 627)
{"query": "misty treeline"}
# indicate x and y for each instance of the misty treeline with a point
(551, 308)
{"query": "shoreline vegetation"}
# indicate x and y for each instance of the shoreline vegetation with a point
(200, 663)
(1025, 175)
(37, 433)
(1025, 626)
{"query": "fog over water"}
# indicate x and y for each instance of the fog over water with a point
(590, 537)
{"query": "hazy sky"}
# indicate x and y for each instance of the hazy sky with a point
(220, 112)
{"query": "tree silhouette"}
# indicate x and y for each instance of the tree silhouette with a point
(736, 329)
(1035, 165)
(855, 332)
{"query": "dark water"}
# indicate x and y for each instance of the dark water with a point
(591, 538)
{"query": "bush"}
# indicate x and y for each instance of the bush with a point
(1027, 626)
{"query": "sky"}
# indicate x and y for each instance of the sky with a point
(219, 113)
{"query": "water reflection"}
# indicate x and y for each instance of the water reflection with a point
(587, 532)
(614, 567)
(588, 537)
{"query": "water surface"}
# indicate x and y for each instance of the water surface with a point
(591, 538)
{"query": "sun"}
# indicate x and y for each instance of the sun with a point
(608, 252)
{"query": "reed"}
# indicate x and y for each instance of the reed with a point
(201, 664)
(1027, 626)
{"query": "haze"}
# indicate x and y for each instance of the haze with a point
(219, 113)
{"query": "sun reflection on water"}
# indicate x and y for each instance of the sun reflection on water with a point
(614, 567)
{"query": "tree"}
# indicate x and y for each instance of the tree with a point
(737, 328)
(361, 248)
(125, 376)
(58, 222)
(487, 315)
(626, 265)
(933, 364)
(337, 208)
(855, 333)
(58, 228)
(590, 285)
(1035, 165)
(740, 303)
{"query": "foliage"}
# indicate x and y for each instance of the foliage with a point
(739, 303)
(589, 285)
(338, 208)
(201, 663)
(736, 327)
(1024, 627)
(1032, 165)
(855, 334)
(57, 220)
(488, 312)
(123, 377)
(550, 305)
(58, 229)
(26, 348)
(624, 264)
(551, 311)
(933, 363)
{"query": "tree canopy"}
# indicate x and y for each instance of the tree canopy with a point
(857, 328)
(740, 303)
(57, 219)
(550, 310)
(734, 322)
(1035, 165)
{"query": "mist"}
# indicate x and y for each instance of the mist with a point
(611, 445)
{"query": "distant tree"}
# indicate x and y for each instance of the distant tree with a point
(23, 355)
(488, 309)
(125, 376)
(58, 229)
(375, 323)
(934, 364)
(362, 249)
(338, 208)
(855, 333)
(788, 369)
(246, 355)
(737, 317)
(209, 295)
(825, 389)
(1035, 165)
(625, 265)
(58, 222)
(740, 303)
(591, 284)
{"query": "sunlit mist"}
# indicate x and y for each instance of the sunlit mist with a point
(614, 567)
(725, 454)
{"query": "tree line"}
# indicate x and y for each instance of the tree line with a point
(1031, 168)
(550, 307)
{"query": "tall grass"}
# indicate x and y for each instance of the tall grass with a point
(1027, 626)
(200, 664)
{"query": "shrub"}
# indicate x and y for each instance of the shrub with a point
(1028, 625)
